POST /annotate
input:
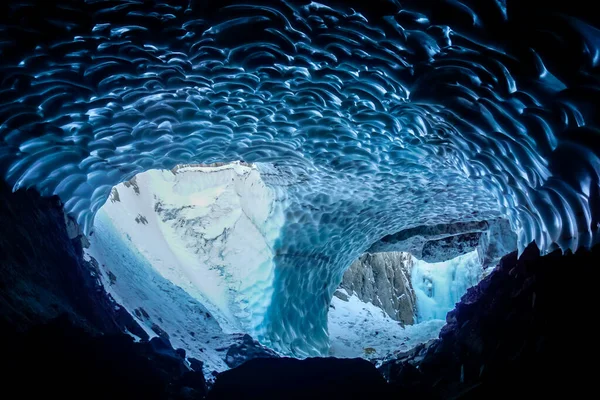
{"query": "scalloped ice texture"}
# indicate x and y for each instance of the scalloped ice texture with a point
(372, 119)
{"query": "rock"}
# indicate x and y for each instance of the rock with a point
(247, 349)
(498, 241)
(71, 363)
(114, 195)
(72, 227)
(383, 279)
(159, 331)
(195, 365)
(132, 183)
(341, 295)
(434, 250)
(311, 378)
(43, 273)
(434, 243)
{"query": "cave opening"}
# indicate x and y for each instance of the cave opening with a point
(190, 253)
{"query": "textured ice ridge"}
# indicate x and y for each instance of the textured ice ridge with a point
(373, 120)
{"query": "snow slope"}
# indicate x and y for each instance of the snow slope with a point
(209, 230)
(359, 329)
(157, 304)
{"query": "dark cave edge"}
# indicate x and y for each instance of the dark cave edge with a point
(61, 334)
(525, 331)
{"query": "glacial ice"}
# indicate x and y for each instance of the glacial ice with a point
(368, 122)
(439, 286)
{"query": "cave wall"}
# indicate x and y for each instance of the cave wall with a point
(42, 271)
(526, 330)
(439, 242)
(389, 115)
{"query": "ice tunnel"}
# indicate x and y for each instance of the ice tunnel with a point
(370, 121)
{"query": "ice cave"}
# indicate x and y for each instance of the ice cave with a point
(269, 199)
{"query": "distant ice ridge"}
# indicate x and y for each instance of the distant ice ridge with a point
(209, 231)
(439, 286)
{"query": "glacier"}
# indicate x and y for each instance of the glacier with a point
(364, 121)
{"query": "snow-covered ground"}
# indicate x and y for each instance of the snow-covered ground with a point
(359, 329)
(209, 230)
(154, 301)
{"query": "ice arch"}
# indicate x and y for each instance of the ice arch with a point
(372, 120)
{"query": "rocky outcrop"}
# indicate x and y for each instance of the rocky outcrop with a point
(508, 338)
(434, 243)
(247, 349)
(498, 241)
(311, 378)
(383, 279)
(62, 361)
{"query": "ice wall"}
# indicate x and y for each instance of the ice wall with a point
(372, 119)
(439, 286)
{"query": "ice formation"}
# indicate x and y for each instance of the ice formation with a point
(192, 247)
(439, 286)
(370, 120)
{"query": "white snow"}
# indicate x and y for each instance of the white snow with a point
(359, 329)
(193, 250)
(136, 285)
(210, 231)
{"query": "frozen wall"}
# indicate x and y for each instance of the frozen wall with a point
(370, 119)
(439, 286)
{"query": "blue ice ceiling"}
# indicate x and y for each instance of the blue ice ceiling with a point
(371, 119)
